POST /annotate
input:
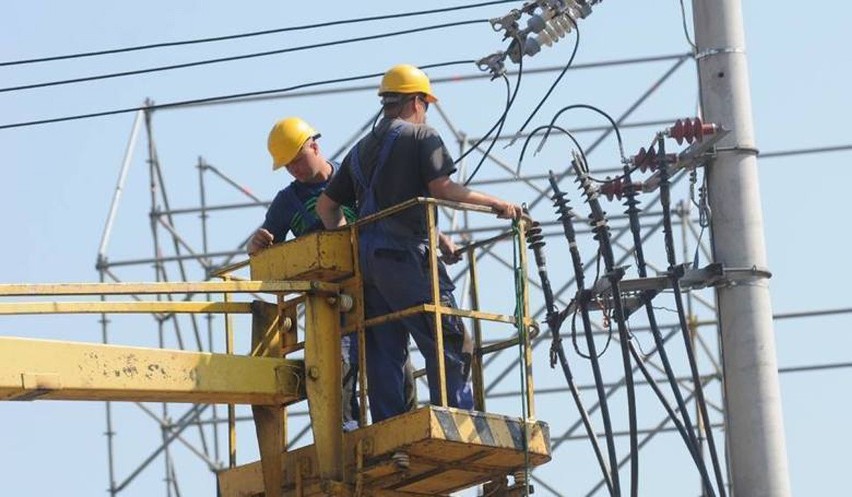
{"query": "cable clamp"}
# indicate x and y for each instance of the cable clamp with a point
(508, 22)
(493, 63)
(751, 150)
(718, 51)
(743, 276)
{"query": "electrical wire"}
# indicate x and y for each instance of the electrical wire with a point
(577, 346)
(687, 432)
(679, 426)
(634, 339)
(602, 235)
(493, 127)
(593, 109)
(565, 216)
(550, 126)
(498, 125)
(665, 202)
(220, 98)
(615, 128)
(233, 58)
(685, 29)
(552, 86)
(250, 34)
(500, 122)
(535, 240)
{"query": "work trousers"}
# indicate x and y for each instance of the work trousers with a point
(349, 349)
(396, 278)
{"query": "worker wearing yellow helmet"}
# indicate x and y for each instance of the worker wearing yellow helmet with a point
(401, 159)
(293, 145)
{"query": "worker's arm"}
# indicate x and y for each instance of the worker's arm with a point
(444, 188)
(449, 251)
(330, 212)
(260, 240)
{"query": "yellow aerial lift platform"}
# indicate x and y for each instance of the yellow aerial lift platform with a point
(434, 450)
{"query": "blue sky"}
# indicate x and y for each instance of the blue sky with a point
(59, 180)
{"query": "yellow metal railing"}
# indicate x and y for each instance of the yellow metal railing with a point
(475, 314)
(319, 272)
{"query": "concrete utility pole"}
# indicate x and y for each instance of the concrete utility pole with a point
(755, 428)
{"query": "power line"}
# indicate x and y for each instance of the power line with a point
(217, 98)
(808, 314)
(554, 84)
(251, 34)
(240, 57)
(685, 28)
(817, 150)
(510, 99)
(471, 77)
(280, 93)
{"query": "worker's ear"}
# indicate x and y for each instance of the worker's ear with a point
(314, 146)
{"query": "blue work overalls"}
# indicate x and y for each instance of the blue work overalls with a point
(348, 343)
(395, 267)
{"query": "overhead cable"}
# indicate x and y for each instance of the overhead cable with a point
(497, 125)
(552, 87)
(593, 109)
(685, 29)
(240, 57)
(220, 98)
(251, 34)
(614, 275)
(566, 216)
(665, 203)
(536, 242)
(686, 429)
(500, 123)
(549, 127)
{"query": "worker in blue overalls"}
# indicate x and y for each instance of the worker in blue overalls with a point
(400, 159)
(293, 145)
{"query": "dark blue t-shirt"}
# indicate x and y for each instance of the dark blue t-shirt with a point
(294, 209)
(417, 157)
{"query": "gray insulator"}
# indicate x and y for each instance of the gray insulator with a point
(536, 23)
(531, 46)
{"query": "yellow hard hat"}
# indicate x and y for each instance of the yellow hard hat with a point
(286, 139)
(405, 78)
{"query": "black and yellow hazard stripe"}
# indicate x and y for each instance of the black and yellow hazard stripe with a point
(491, 430)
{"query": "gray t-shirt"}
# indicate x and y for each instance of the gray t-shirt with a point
(418, 156)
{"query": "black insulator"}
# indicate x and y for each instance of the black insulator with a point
(562, 205)
(535, 237)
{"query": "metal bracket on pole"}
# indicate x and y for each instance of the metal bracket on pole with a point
(717, 51)
(739, 276)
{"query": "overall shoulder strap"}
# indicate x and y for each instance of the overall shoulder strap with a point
(369, 203)
(387, 144)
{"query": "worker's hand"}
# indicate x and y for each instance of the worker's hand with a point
(506, 210)
(449, 251)
(260, 240)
